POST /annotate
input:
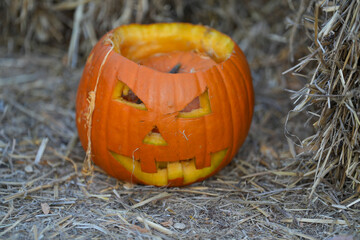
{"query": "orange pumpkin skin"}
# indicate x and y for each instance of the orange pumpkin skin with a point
(183, 148)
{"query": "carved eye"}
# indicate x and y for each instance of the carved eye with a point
(124, 94)
(198, 107)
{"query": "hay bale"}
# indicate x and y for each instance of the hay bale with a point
(331, 98)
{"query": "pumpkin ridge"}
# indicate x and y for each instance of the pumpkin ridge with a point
(201, 163)
(242, 89)
(92, 95)
(103, 114)
(222, 80)
(87, 84)
(248, 84)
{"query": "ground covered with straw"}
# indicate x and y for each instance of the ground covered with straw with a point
(275, 188)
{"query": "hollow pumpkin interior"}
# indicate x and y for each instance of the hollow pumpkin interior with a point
(137, 42)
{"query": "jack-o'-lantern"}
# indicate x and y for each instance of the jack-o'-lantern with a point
(173, 103)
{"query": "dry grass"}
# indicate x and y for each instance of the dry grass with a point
(262, 194)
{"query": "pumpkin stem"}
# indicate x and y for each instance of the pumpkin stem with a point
(176, 68)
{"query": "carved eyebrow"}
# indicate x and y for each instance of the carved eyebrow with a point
(124, 94)
(198, 107)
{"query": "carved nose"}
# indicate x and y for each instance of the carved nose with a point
(154, 138)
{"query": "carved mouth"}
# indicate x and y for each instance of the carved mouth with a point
(167, 171)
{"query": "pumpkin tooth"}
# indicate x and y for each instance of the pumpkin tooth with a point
(174, 170)
(192, 174)
(159, 178)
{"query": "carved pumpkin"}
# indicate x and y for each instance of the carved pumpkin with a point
(173, 103)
